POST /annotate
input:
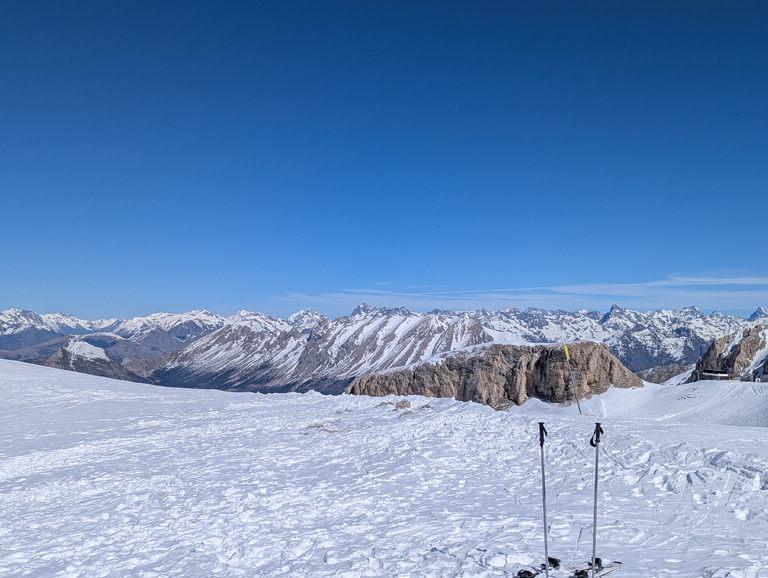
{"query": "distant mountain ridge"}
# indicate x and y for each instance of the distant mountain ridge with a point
(254, 351)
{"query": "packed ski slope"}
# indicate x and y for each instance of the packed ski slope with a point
(108, 478)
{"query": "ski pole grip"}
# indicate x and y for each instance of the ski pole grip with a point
(596, 435)
(542, 433)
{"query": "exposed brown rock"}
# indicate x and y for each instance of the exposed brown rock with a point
(506, 374)
(733, 354)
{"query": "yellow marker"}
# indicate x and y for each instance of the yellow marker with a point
(568, 357)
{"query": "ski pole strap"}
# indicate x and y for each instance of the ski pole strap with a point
(596, 435)
(542, 433)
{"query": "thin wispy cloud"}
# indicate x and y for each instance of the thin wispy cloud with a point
(669, 286)
(735, 295)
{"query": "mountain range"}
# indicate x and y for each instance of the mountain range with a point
(252, 351)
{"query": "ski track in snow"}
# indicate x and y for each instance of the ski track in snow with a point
(106, 478)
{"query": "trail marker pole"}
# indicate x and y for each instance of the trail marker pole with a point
(595, 443)
(570, 373)
(542, 435)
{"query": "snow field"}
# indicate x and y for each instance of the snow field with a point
(106, 478)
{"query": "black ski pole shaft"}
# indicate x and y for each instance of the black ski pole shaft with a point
(595, 443)
(570, 374)
(542, 435)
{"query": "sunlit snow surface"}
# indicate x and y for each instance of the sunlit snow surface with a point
(106, 478)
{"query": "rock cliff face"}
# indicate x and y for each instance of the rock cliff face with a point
(743, 355)
(503, 375)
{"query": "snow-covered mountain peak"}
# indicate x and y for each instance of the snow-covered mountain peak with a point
(202, 316)
(365, 310)
(259, 322)
(614, 311)
(444, 312)
(618, 316)
(509, 311)
(184, 326)
(362, 309)
(21, 318)
(760, 314)
(71, 325)
(305, 319)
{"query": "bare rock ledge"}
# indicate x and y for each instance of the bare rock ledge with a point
(503, 375)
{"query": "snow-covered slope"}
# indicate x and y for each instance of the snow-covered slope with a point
(100, 477)
(235, 357)
(734, 403)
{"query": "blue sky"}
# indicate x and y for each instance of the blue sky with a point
(276, 155)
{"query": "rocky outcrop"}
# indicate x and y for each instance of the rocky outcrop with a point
(741, 355)
(502, 375)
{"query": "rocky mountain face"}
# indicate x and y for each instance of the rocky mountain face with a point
(253, 351)
(235, 358)
(325, 357)
(502, 375)
(660, 338)
(742, 355)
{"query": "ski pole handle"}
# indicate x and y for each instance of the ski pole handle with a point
(596, 435)
(542, 433)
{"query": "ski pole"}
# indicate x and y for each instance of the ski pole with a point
(595, 443)
(570, 373)
(542, 435)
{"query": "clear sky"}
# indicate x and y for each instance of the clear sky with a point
(276, 155)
